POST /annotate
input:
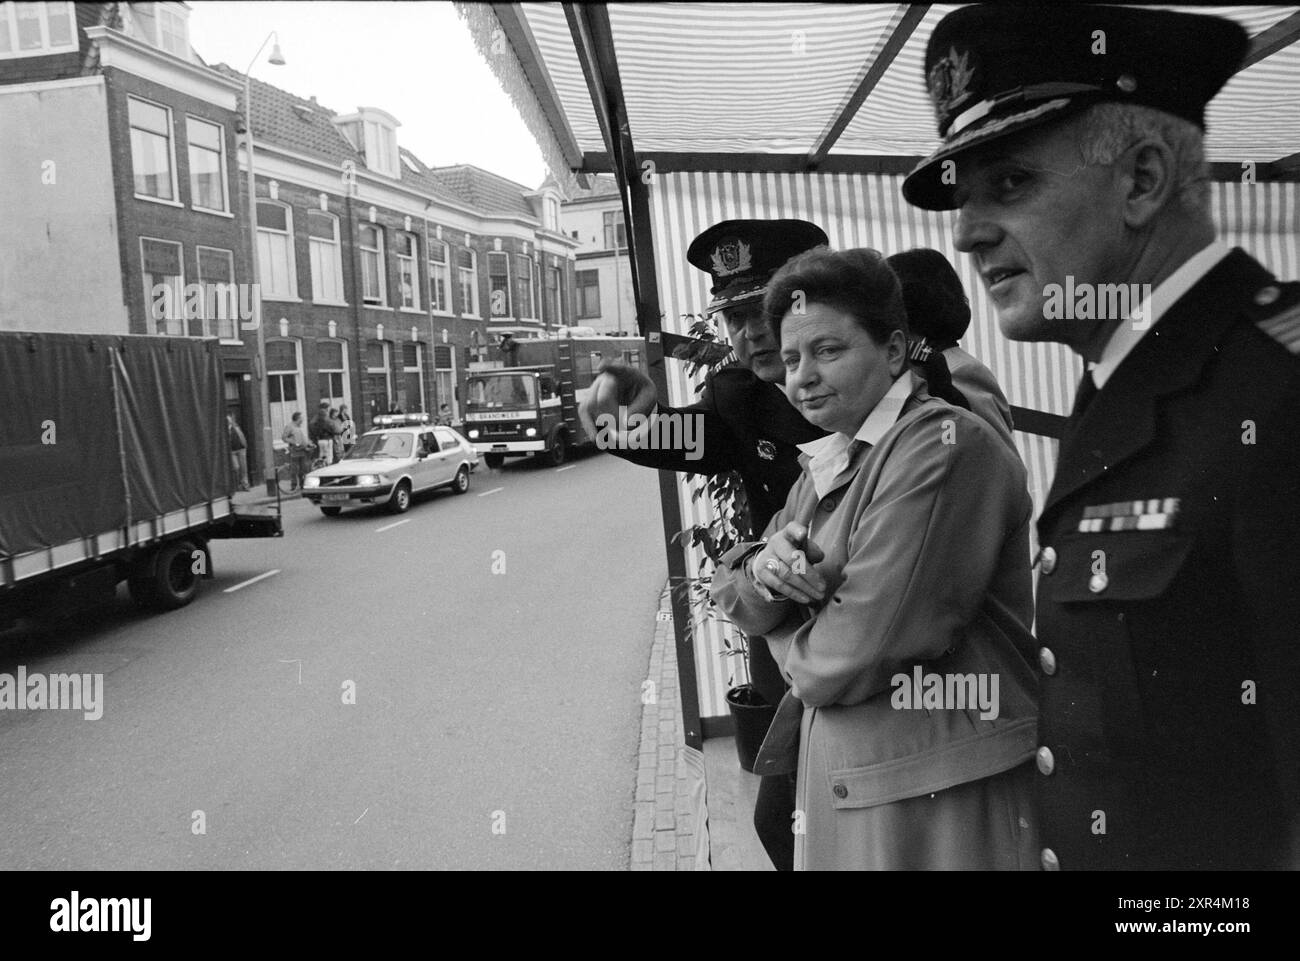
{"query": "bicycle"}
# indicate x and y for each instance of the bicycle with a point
(286, 471)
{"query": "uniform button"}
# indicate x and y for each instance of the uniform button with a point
(1267, 295)
(1049, 861)
(1046, 763)
(1049, 560)
(1097, 583)
(840, 791)
(828, 505)
(1047, 661)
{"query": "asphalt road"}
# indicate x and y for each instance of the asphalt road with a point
(496, 715)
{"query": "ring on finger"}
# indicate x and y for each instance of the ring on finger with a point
(774, 566)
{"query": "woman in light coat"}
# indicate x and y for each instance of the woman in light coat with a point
(894, 590)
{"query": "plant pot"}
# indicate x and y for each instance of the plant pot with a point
(752, 716)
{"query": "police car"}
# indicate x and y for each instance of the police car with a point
(403, 455)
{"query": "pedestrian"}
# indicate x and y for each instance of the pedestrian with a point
(336, 436)
(913, 515)
(321, 431)
(748, 426)
(444, 415)
(238, 452)
(938, 313)
(301, 448)
(349, 434)
(1169, 735)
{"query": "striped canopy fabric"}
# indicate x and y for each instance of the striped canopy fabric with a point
(771, 79)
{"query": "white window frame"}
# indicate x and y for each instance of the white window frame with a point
(510, 294)
(277, 430)
(314, 243)
(556, 308)
(171, 154)
(531, 305)
(413, 262)
(9, 26)
(267, 292)
(450, 375)
(380, 147)
(178, 293)
(612, 228)
(580, 300)
(179, 13)
(440, 271)
(417, 369)
(347, 381)
(221, 160)
(379, 254)
(552, 209)
(211, 325)
(387, 348)
(470, 309)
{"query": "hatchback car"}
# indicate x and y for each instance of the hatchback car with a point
(403, 455)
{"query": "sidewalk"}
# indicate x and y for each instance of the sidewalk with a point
(693, 811)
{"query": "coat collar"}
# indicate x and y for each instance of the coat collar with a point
(1121, 420)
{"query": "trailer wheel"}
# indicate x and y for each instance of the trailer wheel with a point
(173, 583)
(494, 461)
(559, 451)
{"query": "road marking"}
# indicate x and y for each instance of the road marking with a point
(570, 467)
(389, 527)
(495, 490)
(363, 814)
(251, 580)
(294, 660)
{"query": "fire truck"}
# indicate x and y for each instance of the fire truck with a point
(526, 401)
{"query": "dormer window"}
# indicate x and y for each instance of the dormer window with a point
(552, 214)
(34, 29)
(381, 148)
(173, 29)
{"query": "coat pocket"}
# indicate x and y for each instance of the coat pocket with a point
(1123, 566)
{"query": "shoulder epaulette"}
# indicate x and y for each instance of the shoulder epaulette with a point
(1282, 305)
(1284, 328)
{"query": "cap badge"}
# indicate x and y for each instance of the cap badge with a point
(948, 80)
(730, 258)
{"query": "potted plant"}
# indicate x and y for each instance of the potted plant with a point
(751, 714)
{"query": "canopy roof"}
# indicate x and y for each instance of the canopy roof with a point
(796, 86)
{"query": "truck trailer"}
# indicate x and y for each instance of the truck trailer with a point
(114, 465)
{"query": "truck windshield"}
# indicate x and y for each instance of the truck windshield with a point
(392, 444)
(502, 390)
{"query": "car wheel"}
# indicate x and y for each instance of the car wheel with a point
(400, 502)
(494, 461)
(461, 484)
(331, 511)
(559, 450)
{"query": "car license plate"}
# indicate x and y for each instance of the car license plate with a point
(500, 447)
(335, 498)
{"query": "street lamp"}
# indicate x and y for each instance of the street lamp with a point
(268, 449)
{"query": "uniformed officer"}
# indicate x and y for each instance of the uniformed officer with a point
(748, 426)
(1167, 603)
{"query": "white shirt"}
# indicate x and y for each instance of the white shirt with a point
(829, 456)
(1169, 292)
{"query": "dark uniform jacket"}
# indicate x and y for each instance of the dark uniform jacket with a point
(1169, 726)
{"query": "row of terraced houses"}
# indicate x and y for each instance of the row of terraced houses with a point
(123, 179)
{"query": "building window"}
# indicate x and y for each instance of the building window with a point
(524, 286)
(614, 225)
(552, 214)
(326, 257)
(499, 284)
(381, 148)
(283, 385)
(35, 29)
(207, 164)
(439, 278)
(467, 271)
(372, 265)
(378, 382)
(444, 376)
(221, 304)
(332, 361)
(151, 150)
(477, 349)
(408, 274)
(164, 286)
(173, 33)
(275, 260)
(411, 395)
(588, 283)
(553, 304)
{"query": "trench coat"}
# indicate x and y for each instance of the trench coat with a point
(926, 536)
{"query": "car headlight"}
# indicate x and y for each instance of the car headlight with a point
(531, 432)
(367, 480)
(473, 435)
(311, 482)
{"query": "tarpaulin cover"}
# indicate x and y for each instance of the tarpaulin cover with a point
(98, 432)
